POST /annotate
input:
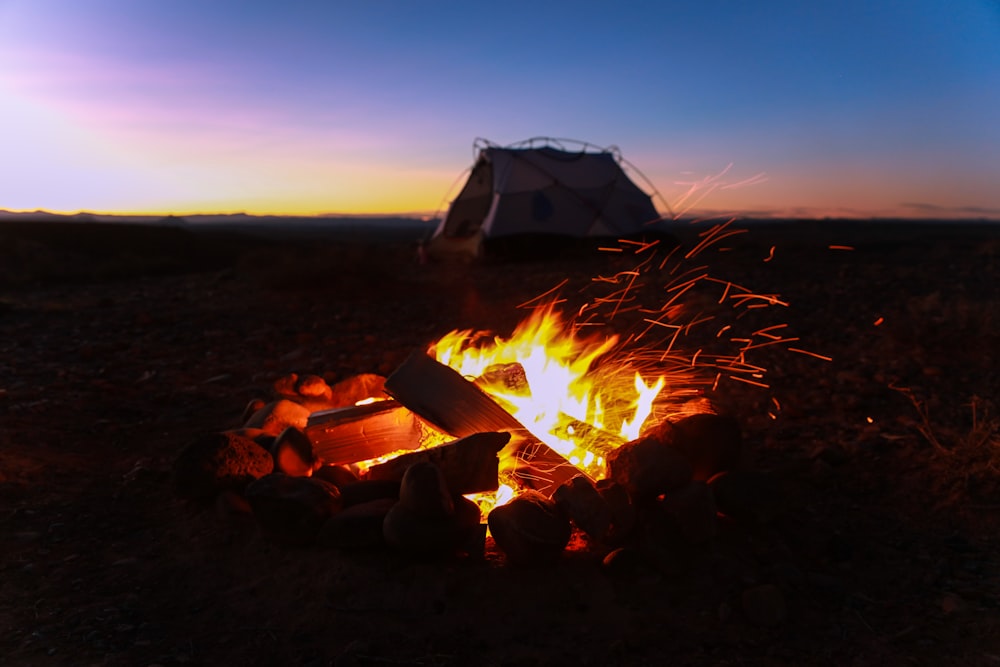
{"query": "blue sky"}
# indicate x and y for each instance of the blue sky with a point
(858, 108)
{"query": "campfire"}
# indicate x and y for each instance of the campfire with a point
(562, 428)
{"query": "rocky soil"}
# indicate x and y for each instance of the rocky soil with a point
(118, 348)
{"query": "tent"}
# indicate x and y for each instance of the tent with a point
(538, 194)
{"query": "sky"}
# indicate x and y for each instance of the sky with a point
(848, 108)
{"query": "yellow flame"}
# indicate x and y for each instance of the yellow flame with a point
(567, 398)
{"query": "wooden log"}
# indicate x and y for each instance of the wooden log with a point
(362, 432)
(443, 397)
(447, 400)
(469, 465)
(589, 437)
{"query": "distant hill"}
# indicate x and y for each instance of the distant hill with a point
(374, 227)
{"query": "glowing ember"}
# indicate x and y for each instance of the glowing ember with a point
(566, 397)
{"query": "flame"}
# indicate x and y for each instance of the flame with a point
(563, 388)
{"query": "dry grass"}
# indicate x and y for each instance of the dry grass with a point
(969, 456)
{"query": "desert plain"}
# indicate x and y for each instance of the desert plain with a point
(120, 344)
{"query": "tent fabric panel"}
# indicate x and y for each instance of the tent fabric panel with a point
(523, 170)
(553, 210)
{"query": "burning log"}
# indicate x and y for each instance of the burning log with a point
(597, 441)
(469, 465)
(447, 400)
(362, 432)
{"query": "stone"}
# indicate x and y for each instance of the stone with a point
(764, 605)
(292, 510)
(253, 406)
(584, 505)
(293, 453)
(357, 388)
(367, 490)
(313, 386)
(650, 466)
(711, 443)
(423, 490)
(692, 510)
(278, 415)
(338, 475)
(428, 520)
(285, 385)
(430, 535)
(357, 527)
(623, 512)
(263, 439)
(530, 529)
(219, 462)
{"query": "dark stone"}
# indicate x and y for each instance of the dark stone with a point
(623, 513)
(651, 465)
(293, 453)
(430, 534)
(368, 490)
(530, 529)
(711, 443)
(292, 510)
(358, 388)
(219, 462)
(357, 527)
(423, 490)
(584, 505)
(428, 520)
(275, 417)
(338, 475)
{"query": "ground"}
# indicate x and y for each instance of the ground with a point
(119, 348)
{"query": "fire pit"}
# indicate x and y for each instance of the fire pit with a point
(563, 429)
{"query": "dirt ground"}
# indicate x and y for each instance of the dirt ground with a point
(120, 347)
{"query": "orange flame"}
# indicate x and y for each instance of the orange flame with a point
(566, 397)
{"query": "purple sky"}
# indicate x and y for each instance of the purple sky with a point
(848, 108)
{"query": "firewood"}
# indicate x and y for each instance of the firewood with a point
(455, 405)
(469, 465)
(443, 397)
(362, 432)
(599, 442)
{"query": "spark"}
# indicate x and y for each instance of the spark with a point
(841, 247)
(543, 295)
(811, 354)
(770, 255)
(750, 382)
(879, 321)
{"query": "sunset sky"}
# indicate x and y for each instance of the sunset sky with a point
(855, 107)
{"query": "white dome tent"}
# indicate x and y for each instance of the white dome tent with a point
(543, 192)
